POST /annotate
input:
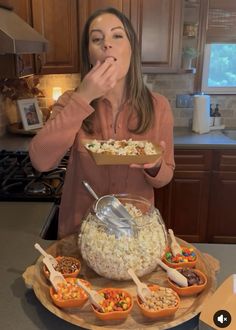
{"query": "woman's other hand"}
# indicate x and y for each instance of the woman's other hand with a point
(100, 79)
(152, 168)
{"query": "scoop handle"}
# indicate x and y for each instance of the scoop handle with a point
(45, 254)
(134, 277)
(38, 247)
(90, 190)
(90, 293)
(162, 264)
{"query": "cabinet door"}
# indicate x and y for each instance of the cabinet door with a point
(86, 8)
(162, 202)
(188, 209)
(56, 20)
(25, 62)
(222, 215)
(183, 203)
(158, 24)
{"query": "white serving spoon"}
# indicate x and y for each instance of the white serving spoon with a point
(174, 245)
(173, 274)
(94, 297)
(142, 289)
(45, 254)
(55, 277)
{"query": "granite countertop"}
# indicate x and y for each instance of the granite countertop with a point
(20, 225)
(183, 138)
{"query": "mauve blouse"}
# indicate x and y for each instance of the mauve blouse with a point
(63, 132)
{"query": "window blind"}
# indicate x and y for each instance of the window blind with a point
(221, 27)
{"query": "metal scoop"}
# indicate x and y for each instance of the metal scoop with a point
(111, 212)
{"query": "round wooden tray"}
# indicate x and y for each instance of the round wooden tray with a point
(84, 317)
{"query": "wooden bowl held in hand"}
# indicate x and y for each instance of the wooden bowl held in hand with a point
(156, 307)
(197, 282)
(116, 305)
(187, 259)
(68, 266)
(69, 294)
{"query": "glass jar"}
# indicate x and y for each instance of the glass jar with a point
(111, 255)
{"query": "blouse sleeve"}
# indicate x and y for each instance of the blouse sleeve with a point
(57, 136)
(165, 127)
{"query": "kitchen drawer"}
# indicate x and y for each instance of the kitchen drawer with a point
(193, 160)
(224, 160)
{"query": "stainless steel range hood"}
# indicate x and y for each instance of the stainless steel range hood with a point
(18, 37)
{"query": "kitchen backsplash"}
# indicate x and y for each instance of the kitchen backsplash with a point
(167, 84)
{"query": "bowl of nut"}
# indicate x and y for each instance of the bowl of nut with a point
(69, 294)
(188, 258)
(116, 305)
(197, 282)
(162, 303)
(68, 266)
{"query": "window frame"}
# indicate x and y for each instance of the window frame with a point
(205, 73)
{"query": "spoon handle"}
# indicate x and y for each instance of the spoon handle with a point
(45, 254)
(38, 247)
(92, 295)
(134, 277)
(175, 247)
(162, 264)
(172, 236)
(90, 190)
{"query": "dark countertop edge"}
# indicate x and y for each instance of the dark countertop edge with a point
(184, 138)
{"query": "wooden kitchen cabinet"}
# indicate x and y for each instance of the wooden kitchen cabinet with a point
(18, 65)
(158, 24)
(57, 21)
(222, 213)
(184, 202)
(86, 8)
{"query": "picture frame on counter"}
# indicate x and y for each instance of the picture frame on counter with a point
(30, 113)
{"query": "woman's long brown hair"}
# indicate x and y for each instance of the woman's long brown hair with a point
(138, 95)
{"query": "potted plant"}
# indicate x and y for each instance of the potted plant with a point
(15, 89)
(189, 53)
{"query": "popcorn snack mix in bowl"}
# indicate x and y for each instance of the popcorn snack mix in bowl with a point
(122, 152)
(68, 266)
(188, 258)
(162, 303)
(197, 282)
(116, 305)
(110, 256)
(69, 294)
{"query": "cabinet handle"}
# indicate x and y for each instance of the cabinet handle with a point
(39, 64)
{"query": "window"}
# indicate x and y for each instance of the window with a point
(219, 69)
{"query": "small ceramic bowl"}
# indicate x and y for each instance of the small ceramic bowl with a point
(70, 263)
(185, 263)
(158, 313)
(114, 314)
(69, 295)
(190, 290)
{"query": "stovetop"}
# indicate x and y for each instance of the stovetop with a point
(20, 181)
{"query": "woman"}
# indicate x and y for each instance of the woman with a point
(111, 102)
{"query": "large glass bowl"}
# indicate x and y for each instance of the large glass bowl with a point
(111, 255)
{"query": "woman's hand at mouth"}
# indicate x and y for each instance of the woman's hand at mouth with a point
(100, 79)
(152, 168)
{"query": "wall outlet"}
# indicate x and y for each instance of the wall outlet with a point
(184, 101)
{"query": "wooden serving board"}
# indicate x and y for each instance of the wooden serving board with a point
(84, 317)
